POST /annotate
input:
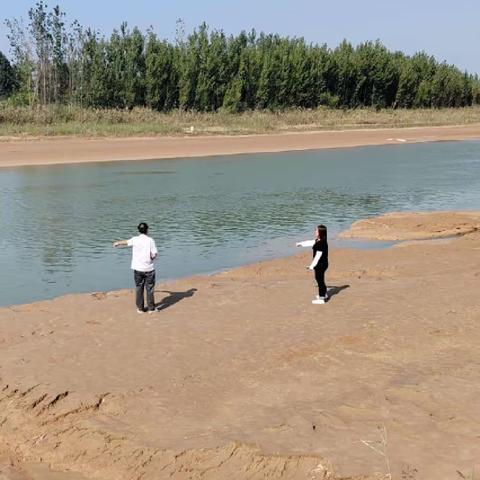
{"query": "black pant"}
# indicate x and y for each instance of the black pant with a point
(320, 278)
(142, 280)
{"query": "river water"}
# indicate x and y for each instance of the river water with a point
(57, 222)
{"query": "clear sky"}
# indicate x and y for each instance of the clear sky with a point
(448, 29)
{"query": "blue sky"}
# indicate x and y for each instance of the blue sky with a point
(445, 28)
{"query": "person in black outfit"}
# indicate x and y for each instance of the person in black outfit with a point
(320, 261)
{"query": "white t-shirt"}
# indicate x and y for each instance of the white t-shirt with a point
(143, 250)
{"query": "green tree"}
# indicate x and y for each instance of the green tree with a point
(134, 79)
(42, 42)
(408, 84)
(345, 75)
(59, 39)
(73, 56)
(96, 91)
(161, 76)
(22, 61)
(7, 77)
(467, 90)
(189, 58)
(447, 87)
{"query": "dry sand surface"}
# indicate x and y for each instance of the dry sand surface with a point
(240, 376)
(415, 226)
(75, 150)
(13, 468)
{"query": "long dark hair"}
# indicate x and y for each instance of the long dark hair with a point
(322, 232)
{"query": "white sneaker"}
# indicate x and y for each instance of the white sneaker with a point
(318, 301)
(152, 311)
(140, 311)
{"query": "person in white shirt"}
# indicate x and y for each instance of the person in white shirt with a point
(144, 252)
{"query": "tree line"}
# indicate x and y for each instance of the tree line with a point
(53, 61)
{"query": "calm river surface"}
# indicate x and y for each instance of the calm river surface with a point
(57, 222)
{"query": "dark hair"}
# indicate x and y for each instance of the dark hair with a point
(322, 232)
(142, 227)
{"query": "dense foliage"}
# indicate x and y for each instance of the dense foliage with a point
(7, 77)
(206, 71)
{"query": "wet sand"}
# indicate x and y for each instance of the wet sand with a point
(240, 376)
(48, 151)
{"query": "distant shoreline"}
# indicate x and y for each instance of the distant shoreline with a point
(69, 150)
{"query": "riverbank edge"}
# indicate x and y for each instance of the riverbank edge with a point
(74, 150)
(364, 231)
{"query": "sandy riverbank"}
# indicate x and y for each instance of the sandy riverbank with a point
(48, 151)
(415, 226)
(239, 376)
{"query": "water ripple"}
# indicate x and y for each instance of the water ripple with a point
(57, 223)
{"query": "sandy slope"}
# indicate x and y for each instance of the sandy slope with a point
(73, 150)
(239, 376)
(415, 226)
(13, 468)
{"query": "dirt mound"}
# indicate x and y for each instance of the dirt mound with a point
(415, 226)
(69, 434)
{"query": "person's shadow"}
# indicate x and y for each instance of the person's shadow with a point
(173, 298)
(332, 291)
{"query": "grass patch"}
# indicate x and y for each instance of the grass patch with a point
(77, 121)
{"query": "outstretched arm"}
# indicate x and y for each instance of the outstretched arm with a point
(315, 261)
(120, 243)
(306, 243)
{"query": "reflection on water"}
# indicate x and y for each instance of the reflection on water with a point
(57, 223)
